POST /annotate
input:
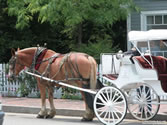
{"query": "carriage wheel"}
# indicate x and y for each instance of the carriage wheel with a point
(110, 105)
(143, 103)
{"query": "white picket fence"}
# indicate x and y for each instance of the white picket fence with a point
(11, 88)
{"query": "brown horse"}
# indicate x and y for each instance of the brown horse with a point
(72, 68)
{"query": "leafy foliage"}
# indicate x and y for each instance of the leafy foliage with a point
(63, 24)
(27, 83)
(72, 13)
(95, 49)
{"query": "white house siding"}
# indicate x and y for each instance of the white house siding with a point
(146, 5)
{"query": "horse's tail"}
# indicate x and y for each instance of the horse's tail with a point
(93, 80)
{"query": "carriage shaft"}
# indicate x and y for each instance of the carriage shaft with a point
(61, 83)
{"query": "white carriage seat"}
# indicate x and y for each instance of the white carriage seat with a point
(160, 64)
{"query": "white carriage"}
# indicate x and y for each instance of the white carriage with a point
(142, 78)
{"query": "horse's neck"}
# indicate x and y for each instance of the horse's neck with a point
(26, 56)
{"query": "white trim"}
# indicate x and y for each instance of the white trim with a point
(146, 13)
(154, 12)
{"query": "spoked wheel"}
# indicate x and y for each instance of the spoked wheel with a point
(143, 103)
(110, 105)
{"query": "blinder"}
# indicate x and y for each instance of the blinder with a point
(12, 66)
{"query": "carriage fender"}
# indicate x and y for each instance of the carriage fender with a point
(156, 85)
(145, 74)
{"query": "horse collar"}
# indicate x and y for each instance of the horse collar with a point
(38, 57)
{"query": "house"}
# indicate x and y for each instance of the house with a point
(152, 15)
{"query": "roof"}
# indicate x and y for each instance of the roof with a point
(158, 34)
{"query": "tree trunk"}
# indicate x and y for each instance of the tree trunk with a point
(79, 34)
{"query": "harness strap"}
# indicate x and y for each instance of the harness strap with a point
(66, 60)
(39, 54)
(39, 59)
(61, 65)
(51, 60)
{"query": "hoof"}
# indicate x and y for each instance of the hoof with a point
(86, 120)
(49, 117)
(41, 116)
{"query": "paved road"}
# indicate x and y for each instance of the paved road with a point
(29, 119)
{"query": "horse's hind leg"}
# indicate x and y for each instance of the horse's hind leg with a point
(52, 111)
(43, 111)
(89, 113)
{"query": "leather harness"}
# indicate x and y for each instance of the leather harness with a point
(38, 59)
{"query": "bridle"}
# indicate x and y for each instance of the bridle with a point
(12, 62)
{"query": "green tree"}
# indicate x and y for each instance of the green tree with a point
(36, 33)
(73, 14)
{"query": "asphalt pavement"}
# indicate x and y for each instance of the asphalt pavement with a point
(29, 119)
(64, 107)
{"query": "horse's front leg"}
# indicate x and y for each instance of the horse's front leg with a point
(43, 111)
(52, 111)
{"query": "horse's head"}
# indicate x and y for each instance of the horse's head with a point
(15, 66)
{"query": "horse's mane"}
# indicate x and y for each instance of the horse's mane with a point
(32, 49)
(28, 49)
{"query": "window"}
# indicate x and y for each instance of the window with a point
(153, 20)
(156, 22)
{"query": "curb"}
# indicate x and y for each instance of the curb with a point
(35, 110)
(66, 112)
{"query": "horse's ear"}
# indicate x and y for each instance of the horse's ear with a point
(13, 52)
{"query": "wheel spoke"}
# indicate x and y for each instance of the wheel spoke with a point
(103, 111)
(98, 103)
(134, 108)
(140, 90)
(138, 112)
(111, 94)
(148, 97)
(101, 98)
(113, 116)
(106, 114)
(119, 103)
(144, 89)
(142, 110)
(117, 117)
(149, 106)
(104, 97)
(153, 103)
(107, 95)
(114, 96)
(109, 113)
(150, 112)
(116, 110)
(138, 96)
(118, 98)
(148, 92)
